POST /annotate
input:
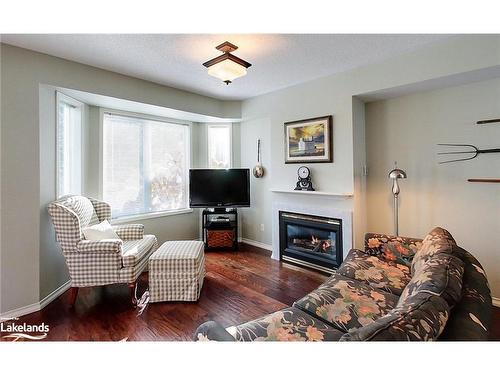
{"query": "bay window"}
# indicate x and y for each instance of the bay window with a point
(219, 146)
(145, 164)
(68, 145)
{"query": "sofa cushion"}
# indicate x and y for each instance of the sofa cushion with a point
(347, 303)
(134, 251)
(440, 275)
(392, 248)
(386, 275)
(289, 324)
(422, 318)
(439, 240)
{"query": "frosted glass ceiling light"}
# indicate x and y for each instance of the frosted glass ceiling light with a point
(227, 67)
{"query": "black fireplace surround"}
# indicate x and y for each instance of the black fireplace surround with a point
(310, 241)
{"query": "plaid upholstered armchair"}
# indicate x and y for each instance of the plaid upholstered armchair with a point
(94, 263)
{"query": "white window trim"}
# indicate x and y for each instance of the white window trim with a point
(151, 215)
(230, 126)
(65, 98)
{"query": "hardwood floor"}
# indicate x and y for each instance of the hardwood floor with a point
(239, 286)
(495, 324)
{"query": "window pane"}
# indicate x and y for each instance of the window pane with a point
(168, 166)
(219, 146)
(68, 148)
(145, 165)
(122, 165)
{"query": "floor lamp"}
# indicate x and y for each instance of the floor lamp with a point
(395, 175)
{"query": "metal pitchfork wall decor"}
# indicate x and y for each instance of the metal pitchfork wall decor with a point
(463, 152)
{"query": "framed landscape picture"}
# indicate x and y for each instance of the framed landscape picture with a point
(309, 141)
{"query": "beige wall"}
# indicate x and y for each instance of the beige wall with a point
(263, 117)
(407, 129)
(31, 263)
(259, 211)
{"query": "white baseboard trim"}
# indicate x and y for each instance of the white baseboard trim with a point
(56, 293)
(496, 301)
(37, 306)
(20, 311)
(262, 245)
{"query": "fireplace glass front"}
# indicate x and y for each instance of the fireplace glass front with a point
(312, 241)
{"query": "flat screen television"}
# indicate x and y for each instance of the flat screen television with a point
(219, 187)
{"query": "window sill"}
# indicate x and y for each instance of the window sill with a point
(153, 215)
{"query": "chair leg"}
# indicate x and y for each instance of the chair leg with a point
(72, 296)
(132, 287)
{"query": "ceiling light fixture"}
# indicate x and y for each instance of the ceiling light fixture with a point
(227, 67)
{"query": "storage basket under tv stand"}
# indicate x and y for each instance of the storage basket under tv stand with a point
(220, 234)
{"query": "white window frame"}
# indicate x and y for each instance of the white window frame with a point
(230, 127)
(60, 97)
(130, 218)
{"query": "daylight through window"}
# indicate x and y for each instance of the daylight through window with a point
(145, 165)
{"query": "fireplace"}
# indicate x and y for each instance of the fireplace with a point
(310, 241)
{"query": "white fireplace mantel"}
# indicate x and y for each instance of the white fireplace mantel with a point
(305, 192)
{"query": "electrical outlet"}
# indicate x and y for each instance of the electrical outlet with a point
(262, 227)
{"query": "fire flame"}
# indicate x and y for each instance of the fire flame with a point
(325, 244)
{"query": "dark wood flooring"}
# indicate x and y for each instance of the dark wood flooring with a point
(239, 286)
(495, 324)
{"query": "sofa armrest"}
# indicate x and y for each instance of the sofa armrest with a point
(378, 243)
(101, 246)
(212, 331)
(129, 232)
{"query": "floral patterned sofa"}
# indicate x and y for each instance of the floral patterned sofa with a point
(397, 288)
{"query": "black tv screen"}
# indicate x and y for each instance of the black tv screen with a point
(219, 188)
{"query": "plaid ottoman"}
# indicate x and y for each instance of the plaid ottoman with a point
(176, 271)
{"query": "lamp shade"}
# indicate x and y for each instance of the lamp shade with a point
(227, 70)
(227, 67)
(397, 173)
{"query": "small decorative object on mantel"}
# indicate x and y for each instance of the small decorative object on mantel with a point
(395, 175)
(258, 170)
(462, 152)
(304, 182)
(309, 141)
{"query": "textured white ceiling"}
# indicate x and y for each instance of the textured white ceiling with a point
(278, 60)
